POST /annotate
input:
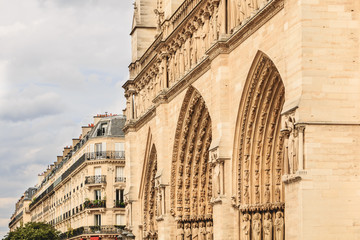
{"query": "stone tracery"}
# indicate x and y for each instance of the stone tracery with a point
(260, 157)
(191, 187)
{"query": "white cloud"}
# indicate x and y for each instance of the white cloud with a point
(61, 62)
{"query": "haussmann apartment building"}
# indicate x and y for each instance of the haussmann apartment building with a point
(82, 193)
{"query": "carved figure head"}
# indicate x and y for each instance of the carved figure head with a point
(279, 214)
(257, 216)
(209, 224)
(187, 225)
(246, 217)
(267, 216)
(180, 225)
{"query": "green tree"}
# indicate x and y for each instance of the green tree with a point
(34, 231)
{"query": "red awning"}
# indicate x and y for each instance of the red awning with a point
(94, 238)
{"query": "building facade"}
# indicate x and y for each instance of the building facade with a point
(22, 212)
(243, 120)
(82, 193)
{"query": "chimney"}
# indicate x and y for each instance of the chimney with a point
(59, 159)
(66, 150)
(85, 129)
(75, 141)
(97, 118)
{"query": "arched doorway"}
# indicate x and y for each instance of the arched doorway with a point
(259, 153)
(191, 186)
(149, 198)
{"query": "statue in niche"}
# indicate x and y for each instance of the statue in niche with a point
(180, 231)
(245, 227)
(202, 231)
(195, 231)
(246, 177)
(279, 226)
(256, 227)
(257, 195)
(159, 201)
(243, 10)
(267, 195)
(267, 226)
(217, 180)
(291, 146)
(209, 230)
(205, 31)
(246, 195)
(277, 194)
(187, 232)
(254, 5)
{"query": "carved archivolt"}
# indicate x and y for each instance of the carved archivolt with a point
(191, 187)
(260, 158)
(150, 194)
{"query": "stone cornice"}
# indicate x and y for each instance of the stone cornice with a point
(135, 125)
(227, 43)
(224, 45)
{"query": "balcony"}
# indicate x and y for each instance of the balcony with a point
(90, 204)
(119, 204)
(120, 179)
(95, 180)
(15, 219)
(88, 230)
(106, 155)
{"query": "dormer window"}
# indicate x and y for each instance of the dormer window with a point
(102, 129)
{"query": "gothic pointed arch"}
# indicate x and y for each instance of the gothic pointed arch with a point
(149, 191)
(191, 186)
(259, 153)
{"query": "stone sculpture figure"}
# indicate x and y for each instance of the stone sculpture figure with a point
(202, 231)
(256, 226)
(180, 231)
(267, 226)
(187, 232)
(245, 227)
(209, 231)
(291, 146)
(279, 226)
(195, 231)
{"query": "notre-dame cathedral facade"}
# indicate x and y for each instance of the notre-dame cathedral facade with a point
(243, 120)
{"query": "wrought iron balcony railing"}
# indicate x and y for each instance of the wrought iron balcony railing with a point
(104, 229)
(97, 179)
(95, 204)
(105, 155)
(119, 204)
(120, 179)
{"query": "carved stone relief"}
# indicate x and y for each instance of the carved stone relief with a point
(261, 156)
(191, 177)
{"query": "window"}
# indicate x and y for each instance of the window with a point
(97, 174)
(97, 194)
(120, 219)
(119, 150)
(119, 174)
(97, 219)
(102, 130)
(98, 150)
(120, 195)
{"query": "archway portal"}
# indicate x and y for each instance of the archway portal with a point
(191, 187)
(150, 194)
(259, 154)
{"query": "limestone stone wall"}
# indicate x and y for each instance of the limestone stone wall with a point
(314, 45)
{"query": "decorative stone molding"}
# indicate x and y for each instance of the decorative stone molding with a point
(191, 174)
(175, 55)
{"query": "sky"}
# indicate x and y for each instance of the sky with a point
(61, 63)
